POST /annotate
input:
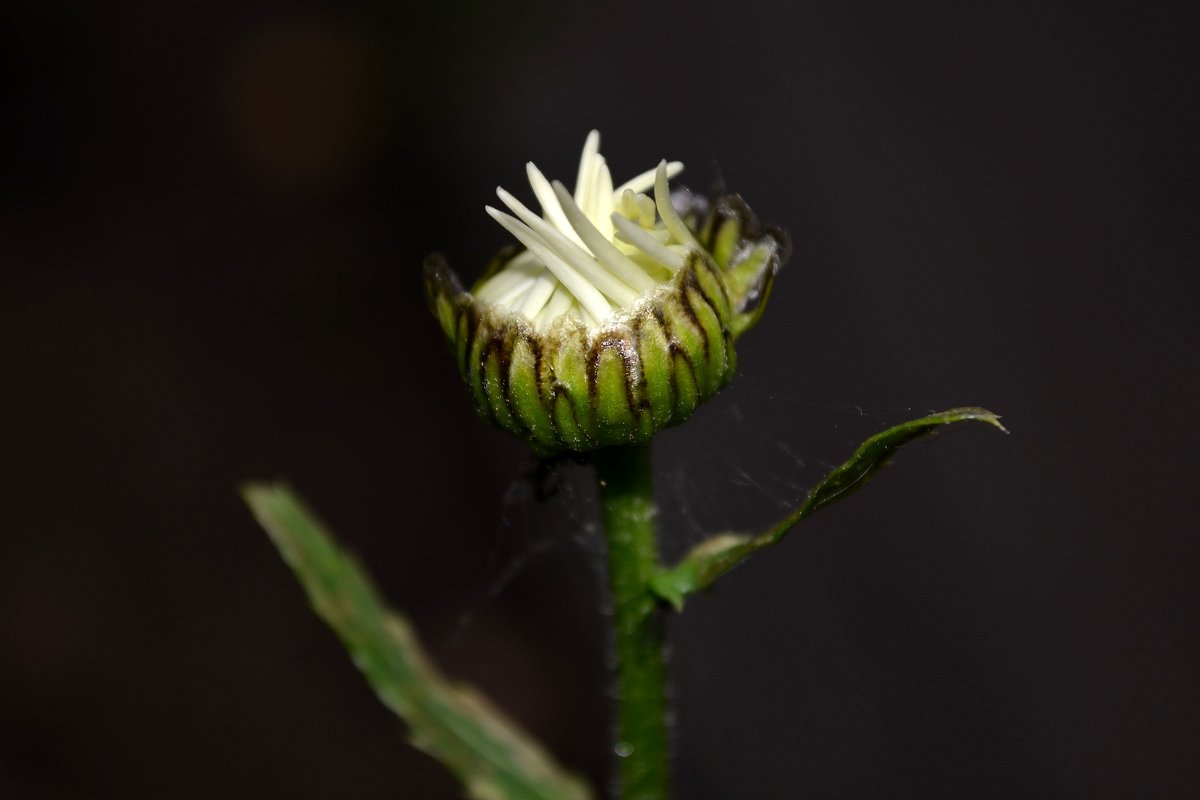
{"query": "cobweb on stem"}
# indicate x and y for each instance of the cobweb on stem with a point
(726, 470)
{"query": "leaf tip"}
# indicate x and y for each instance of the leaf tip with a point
(253, 492)
(261, 488)
(979, 414)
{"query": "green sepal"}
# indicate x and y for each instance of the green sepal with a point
(613, 390)
(724, 243)
(687, 394)
(714, 349)
(496, 393)
(525, 389)
(688, 340)
(568, 379)
(749, 255)
(655, 352)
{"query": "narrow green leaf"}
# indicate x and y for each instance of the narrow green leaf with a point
(494, 759)
(713, 558)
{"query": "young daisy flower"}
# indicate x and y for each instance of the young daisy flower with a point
(618, 316)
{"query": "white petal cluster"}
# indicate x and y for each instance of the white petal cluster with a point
(592, 254)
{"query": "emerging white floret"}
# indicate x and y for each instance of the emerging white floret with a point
(592, 254)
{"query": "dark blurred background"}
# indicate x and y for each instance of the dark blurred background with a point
(213, 219)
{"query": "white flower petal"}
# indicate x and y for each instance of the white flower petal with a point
(601, 246)
(516, 272)
(647, 243)
(670, 217)
(588, 295)
(583, 182)
(644, 181)
(549, 203)
(539, 294)
(560, 303)
(613, 287)
(589, 253)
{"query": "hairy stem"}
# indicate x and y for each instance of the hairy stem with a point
(627, 498)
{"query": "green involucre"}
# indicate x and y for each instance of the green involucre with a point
(644, 369)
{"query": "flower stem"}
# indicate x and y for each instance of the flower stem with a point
(627, 499)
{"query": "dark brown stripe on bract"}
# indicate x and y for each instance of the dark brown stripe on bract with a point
(715, 274)
(613, 341)
(683, 304)
(591, 368)
(469, 311)
(632, 359)
(690, 281)
(500, 341)
(641, 406)
(674, 348)
(542, 365)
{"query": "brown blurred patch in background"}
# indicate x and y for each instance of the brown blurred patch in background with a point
(305, 100)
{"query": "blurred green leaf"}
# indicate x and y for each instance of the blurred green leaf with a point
(494, 759)
(713, 558)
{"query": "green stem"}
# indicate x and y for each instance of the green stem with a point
(627, 499)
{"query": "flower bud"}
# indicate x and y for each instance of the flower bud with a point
(618, 317)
